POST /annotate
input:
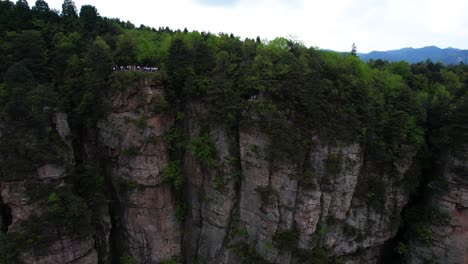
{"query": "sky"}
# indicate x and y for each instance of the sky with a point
(326, 24)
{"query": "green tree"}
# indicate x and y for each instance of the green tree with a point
(89, 21)
(125, 51)
(354, 50)
(30, 48)
(41, 6)
(179, 61)
(69, 9)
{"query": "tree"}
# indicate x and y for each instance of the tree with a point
(89, 19)
(125, 51)
(13, 105)
(41, 6)
(354, 50)
(22, 4)
(179, 60)
(23, 15)
(98, 60)
(69, 9)
(203, 58)
(30, 48)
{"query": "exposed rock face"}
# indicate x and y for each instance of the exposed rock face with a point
(210, 193)
(136, 154)
(13, 194)
(61, 125)
(21, 208)
(267, 197)
(448, 242)
(65, 250)
(273, 201)
(343, 206)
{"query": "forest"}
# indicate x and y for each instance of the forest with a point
(62, 61)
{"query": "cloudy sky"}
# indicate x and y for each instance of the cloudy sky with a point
(327, 24)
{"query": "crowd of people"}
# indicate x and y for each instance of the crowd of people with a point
(136, 68)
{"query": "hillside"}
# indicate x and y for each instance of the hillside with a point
(446, 56)
(133, 145)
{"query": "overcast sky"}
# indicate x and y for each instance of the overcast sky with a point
(327, 24)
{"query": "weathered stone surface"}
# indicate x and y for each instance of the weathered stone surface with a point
(150, 230)
(449, 239)
(259, 205)
(210, 194)
(51, 172)
(14, 196)
(61, 125)
(338, 188)
(328, 213)
(102, 236)
(136, 154)
(329, 200)
(368, 224)
(66, 250)
(307, 215)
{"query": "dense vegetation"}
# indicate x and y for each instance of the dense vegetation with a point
(62, 62)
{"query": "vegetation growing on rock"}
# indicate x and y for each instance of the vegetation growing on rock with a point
(297, 96)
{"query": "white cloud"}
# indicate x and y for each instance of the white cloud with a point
(330, 24)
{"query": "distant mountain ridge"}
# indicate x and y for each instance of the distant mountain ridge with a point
(412, 55)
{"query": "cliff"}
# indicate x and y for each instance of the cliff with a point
(182, 188)
(444, 237)
(132, 145)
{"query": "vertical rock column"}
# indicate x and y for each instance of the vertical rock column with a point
(60, 247)
(210, 193)
(131, 136)
(448, 233)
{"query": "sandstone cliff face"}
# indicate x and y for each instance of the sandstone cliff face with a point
(244, 201)
(447, 240)
(21, 209)
(131, 137)
(246, 208)
(210, 193)
(328, 213)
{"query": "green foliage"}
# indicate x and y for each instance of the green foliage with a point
(172, 174)
(308, 177)
(159, 104)
(127, 259)
(52, 63)
(89, 183)
(401, 249)
(181, 211)
(334, 163)
(68, 210)
(316, 255)
(127, 185)
(141, 122)
(174, 139)
(248, 254)
(350, 231)
(266, 193)
(286, 240)
(38, 190)
(63, 213)
(131, 151)
(53, 198)
(204, 150)
(69, 8)
(168, 261)
(319, 233)
(373, 191)
(423, 233)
